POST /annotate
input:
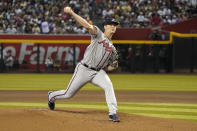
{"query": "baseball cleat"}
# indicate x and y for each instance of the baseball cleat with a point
(51, 105)
(114, 118)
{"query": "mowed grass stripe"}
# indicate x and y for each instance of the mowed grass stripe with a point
(161, 105)
(174, 116)
(157, 111)
(157, 82)
(175, 113)
(122, 106)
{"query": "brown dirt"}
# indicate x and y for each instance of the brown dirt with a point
(67, 119)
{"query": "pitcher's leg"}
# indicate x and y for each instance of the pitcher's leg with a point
(102, 80)
(77, 81)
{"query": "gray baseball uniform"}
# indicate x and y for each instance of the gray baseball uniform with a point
(90, 69)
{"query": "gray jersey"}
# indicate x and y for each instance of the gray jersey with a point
(98, 52)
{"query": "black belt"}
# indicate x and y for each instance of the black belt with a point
(92, 68)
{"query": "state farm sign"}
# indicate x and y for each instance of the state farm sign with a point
(28, 52)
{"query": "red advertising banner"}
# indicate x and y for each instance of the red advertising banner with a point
(26, 53)
(24, 48)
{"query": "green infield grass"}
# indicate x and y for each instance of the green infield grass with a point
(163, 110)
(157, 82)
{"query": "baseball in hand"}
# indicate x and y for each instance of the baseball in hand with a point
(67, 9)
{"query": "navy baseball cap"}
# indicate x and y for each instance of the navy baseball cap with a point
(110, 21)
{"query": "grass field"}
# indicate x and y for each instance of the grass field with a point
(139, 82)
(120, 81)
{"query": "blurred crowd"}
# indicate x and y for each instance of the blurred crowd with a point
(47, 16)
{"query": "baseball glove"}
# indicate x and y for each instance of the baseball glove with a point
(113, 60)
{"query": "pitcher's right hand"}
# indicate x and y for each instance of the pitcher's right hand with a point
(68, 10)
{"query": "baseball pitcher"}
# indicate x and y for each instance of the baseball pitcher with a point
(99, 56)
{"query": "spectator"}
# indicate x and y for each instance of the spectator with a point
(28, 28)
(9, 61)
(1, 28)
(141, 19)
(20, 28)
(11, 30)
(129, 59)
(5, 54)
(156, 20)
(69, 58)
(125, 59)
(49, 64)
(134, 13)
(57, 64)
(45, 27)
(35, 29)
(192, 3)
(3, 59)
(16, 63)
(155, 35)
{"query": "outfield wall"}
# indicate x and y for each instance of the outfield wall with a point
(31, 51)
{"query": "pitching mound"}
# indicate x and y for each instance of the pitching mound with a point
(67, 119)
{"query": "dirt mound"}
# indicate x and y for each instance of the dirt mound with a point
(67, 119)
